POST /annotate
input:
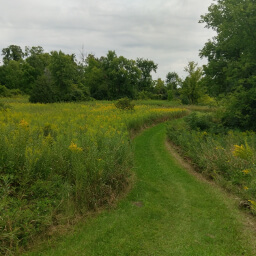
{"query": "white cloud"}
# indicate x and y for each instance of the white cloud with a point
(166, 31)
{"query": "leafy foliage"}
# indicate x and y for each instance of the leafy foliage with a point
(192, 89)
(124, 104)
(200, 122)
(241, 110)
(12, 52)
(44, 90)
(231, 54)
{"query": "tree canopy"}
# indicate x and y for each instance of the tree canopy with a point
(41, 74)
(192, 88)
(231, 54)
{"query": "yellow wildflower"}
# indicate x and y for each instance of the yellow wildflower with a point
(73, 147)
(252, 202)
(246, 171)
(246, 188)
(243, 151)
(23, 123)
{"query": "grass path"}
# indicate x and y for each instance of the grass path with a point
(168, 212)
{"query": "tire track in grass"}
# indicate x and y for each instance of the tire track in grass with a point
(168, 212)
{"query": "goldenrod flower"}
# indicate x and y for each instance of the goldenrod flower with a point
(23, 123)
(243, 151)
(73, 147)
(252, 202)
(246, 171)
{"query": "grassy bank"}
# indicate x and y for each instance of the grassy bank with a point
(228, 157)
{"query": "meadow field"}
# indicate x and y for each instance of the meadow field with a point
(59, 161)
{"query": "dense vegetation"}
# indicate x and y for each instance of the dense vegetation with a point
(224, 155)
(220, 143)
(62, 160)
(59, 77)
(59, 160)
(56, 76)
(231, 54)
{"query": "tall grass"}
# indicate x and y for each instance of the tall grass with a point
(61, 160)
(229, 157)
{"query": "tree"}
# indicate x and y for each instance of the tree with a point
(160, 89)
(241, 110)
(231, 53)
(57, 77)
(123, 76)
(146, 66)
(111, 77)
(96, 78)
(12, 52)
(37, 59)
(192, 88)
(173, 82)
(67, 77)
(11, 74)
(44, 90)
(63, 70)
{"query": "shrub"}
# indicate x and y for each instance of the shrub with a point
(199, 121)
(124, 104)
(209, 122)
(144, 95)
(4, 106)
(15, 92)
(4, 92)
(241, 110)
(206, 100)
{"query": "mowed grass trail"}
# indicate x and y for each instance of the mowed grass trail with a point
(168, 212)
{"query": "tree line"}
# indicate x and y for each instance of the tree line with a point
(56, 76)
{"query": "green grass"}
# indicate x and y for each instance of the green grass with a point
(168, 212)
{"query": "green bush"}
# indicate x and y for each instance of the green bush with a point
(209, 122)
(199, 121)
(16, 92)
(4, 106)
(124, 104)
(206, 100)
(144, 95)
(4, 92)
(241, 110)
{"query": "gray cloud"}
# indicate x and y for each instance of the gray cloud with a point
(166, 31)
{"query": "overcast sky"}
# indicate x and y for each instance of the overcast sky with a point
(165, 31)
